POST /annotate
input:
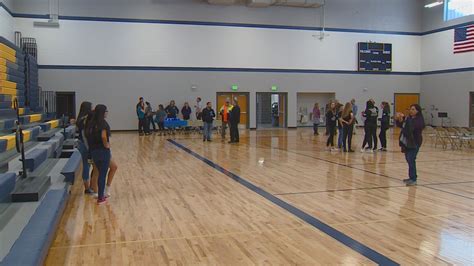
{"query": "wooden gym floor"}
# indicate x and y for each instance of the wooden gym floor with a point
(276, 198)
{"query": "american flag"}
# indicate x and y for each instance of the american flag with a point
(464, 39)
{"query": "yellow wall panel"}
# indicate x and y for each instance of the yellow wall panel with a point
(6, 49)
(7, 84)
(8, 91)
(8, 56)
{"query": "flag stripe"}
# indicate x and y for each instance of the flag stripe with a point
(463, 39)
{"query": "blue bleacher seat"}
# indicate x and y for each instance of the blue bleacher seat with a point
(72, 167)
(33, 244)
(34, 158)
(7, 184)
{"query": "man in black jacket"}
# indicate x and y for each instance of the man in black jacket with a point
(208, 116)
(234, 122)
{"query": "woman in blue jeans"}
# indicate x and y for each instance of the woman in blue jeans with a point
(85, 113)
(98, 134)
(411, 138)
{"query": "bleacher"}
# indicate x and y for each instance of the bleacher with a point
(30, 207)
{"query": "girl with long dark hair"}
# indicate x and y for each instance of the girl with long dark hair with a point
(98, 134)
(347, 120)
(85, 112)
(371, 114)
(384, 125)
(331, 120)
(411, 138)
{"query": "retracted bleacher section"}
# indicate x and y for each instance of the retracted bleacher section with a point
(51, 159)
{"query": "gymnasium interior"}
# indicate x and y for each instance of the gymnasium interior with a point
(278, 193)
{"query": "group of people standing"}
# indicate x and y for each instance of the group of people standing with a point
(230, 114)
(343, 118)
(149, 118)
(93, 142)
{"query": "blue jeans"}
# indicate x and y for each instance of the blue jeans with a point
(340, 138)
(207, 130)
(410, 156)
(85, 163)
(101, 158)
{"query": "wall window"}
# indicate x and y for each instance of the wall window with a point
(458, 8)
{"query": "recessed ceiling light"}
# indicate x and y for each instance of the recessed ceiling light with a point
(437, 3)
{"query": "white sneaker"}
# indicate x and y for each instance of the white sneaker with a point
(334, 149)
(107, 193)
(362, 150)
(370, 151)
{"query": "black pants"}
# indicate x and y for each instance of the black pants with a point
(371, 136)
(331, 131)
(315, 129)
(151, 122)
(161, 126)
(347, 137)
(234, 132)
(141, 125)
(383, 135)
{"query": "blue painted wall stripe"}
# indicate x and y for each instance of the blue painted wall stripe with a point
(339, 236)
(226, 24)
(250, 70)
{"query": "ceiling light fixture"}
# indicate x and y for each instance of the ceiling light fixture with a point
(437, 3)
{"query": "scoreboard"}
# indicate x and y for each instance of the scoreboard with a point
(375, 56)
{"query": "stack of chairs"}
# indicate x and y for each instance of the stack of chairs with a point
(454, 137)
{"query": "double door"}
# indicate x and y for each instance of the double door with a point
(242, 98)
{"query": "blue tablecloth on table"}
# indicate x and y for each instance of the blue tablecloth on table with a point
(174, 123)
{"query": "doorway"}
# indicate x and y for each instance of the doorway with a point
(271, 110)
(66, 104)
(471, 109)
(242, 98)
(305, 103)
(403, 101)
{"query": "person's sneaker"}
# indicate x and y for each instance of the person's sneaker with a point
(411, 183)
(204, 140)
(107, 192)
(89, 191)
(334, 149)
(406, 180)
(362, 150)
(101, 201)
(369, 150)
(351, 150)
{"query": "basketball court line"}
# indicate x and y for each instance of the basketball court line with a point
(323, 227)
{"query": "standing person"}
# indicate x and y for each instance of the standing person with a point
(142, 128)
(160, 118)
(328, 106)
(384, 125)
(340, 129)
(84, 114)
(316, 118)
(411, 139)
(208, 116)
(371, 114)
(171, 110)
(348, 126)
(186, 111)
(149, 117)
(224, 112)
(140, 109)
(355, 110)
(234, 122)
(198, 108)
(331, 119)
(98, 133)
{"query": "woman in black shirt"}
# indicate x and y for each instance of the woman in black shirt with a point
(331, 120)
(98, 134)
(347, 120)
(384, 125)
(84, 114)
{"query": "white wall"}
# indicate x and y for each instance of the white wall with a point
(307, 100)
(437, 52)
(6, 25)
(129, 44)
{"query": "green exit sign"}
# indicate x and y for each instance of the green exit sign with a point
(274, 88)
(234, 87)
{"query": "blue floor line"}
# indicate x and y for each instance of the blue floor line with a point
(339, 236)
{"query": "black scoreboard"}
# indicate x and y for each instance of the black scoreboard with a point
(375, 56)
